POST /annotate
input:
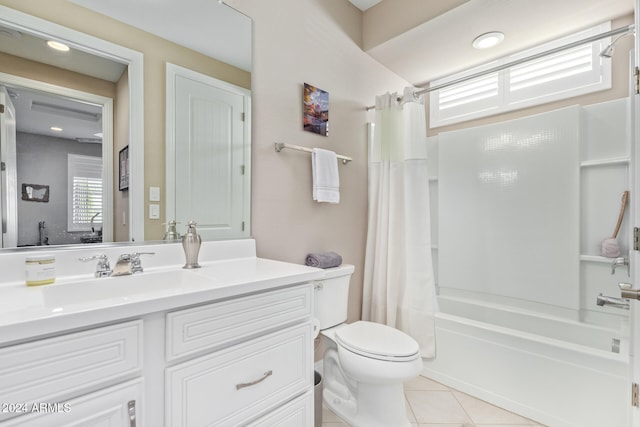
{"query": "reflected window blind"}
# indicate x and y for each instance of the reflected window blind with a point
(85, 191)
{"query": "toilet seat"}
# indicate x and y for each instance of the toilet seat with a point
(377, 341)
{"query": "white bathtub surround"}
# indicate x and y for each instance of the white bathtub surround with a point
(519, 326)
(399, 284)
(558, 383)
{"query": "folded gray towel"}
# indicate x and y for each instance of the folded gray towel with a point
(323, 259)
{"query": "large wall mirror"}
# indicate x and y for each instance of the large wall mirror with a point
(102, 101)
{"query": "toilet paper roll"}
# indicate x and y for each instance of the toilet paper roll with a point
(316, 328)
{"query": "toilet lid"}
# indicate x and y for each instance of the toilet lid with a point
(377, 341)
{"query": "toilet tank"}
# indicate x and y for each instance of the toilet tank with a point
(331, 296)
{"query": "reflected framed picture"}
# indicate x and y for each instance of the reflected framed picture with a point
(316, 110)
(123, 162)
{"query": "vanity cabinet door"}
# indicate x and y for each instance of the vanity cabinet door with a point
(117, 406)
(59, 368)
(235, 385)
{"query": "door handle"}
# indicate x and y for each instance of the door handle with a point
(627, 291)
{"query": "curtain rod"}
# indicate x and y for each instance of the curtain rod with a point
(626, 29)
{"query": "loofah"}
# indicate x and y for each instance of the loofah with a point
(610, 248)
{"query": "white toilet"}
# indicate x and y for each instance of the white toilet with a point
(365, 363)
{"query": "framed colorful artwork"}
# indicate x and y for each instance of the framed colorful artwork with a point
(316, 110)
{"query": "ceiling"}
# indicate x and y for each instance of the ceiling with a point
(365, 4)
(442, 45)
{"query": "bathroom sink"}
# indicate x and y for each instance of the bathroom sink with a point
(125, 288)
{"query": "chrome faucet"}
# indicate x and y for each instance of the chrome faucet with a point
(129, 263)
(92, 218)
(103, 269)
(42, 240)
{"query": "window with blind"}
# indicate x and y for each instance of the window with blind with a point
(85, 192)
(565, 74)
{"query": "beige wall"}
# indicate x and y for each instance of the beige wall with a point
(298, 41)
(16, 66)
(157, 52)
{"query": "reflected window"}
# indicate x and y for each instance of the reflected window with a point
(85, 192)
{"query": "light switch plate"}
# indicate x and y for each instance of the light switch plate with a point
(154, 211)
(154, 194)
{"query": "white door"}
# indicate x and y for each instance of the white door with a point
(206, 141)
(8, 172)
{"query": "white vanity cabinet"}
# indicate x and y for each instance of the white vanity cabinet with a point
(255, 357)
(228, 344)
(81, 378)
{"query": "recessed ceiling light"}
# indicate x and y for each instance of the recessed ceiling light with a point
(56, 129)
(487, 40)
(58, 46)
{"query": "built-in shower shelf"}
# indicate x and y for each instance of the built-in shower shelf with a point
(605, 162)
(596, 258)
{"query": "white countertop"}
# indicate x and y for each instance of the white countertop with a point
(79, 301)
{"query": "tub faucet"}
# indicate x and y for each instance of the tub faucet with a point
(603, 300)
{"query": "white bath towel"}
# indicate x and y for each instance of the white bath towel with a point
(326, 182)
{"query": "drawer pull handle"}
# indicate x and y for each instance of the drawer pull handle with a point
(243, 385)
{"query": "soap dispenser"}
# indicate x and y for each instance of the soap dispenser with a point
(191, 243)
(172, 233)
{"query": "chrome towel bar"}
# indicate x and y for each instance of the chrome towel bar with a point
(279, 146)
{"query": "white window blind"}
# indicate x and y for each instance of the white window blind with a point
(85, 192)
(565, 74)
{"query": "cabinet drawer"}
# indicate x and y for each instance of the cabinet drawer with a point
(297, 413)
(213, 325)
(233, 385)
(51, 369)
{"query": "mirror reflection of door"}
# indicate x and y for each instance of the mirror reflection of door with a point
(208, 146)
(58, 145)
(8, 185)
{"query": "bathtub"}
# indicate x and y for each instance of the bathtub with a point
(555, 371)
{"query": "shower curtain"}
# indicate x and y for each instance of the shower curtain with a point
(399, 283)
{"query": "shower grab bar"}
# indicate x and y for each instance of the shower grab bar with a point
(281, 145)
(622, 303)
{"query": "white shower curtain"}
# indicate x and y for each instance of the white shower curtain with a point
(399, 283)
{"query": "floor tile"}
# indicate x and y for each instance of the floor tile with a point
(329, 417)
(410, 415)
(424, 383)
(436, 407)
(484, 413)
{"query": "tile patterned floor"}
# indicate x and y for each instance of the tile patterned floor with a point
(431, 404)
